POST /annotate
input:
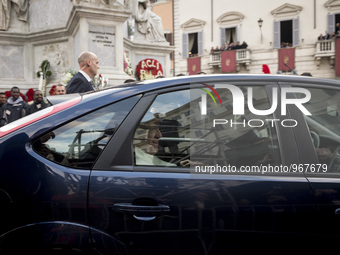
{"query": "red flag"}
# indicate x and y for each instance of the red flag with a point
(265, 69)
(286, 59)
(228, 61)
(194, 65)
(337, 57)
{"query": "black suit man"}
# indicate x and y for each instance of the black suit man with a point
(81, 82)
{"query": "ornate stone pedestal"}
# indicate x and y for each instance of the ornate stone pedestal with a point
(60, 32)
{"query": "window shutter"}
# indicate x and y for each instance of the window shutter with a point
(200, 44)
(185, 45)
(222, 36)
(296, 32)
(277, 34)
(331, 23)
(236, 35)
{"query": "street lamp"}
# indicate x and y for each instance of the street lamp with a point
(260, 21)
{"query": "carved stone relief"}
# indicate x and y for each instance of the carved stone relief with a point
(56, 54)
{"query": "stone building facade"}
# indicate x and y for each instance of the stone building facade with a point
(209, 24)
(59, 32)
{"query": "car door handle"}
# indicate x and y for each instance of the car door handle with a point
(141, 212)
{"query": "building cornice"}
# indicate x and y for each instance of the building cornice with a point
(78, 12)
(230, 17)
(193, 24)
(333, 5)
(286, 9)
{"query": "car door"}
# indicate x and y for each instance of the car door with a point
(324, 176)
(178, 180)
(49, 208)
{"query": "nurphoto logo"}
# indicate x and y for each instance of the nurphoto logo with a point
(239, 104)
(204, 98)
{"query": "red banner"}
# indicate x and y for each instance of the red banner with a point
(286, 59)
(337, 57)
(228, 61)
(194, 65)
(149, 69)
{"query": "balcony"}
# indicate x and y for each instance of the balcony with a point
(242, 58)
(325, 49)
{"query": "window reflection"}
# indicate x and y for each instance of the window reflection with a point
(183, 133)
(79, 143)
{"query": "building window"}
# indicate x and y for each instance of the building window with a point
(286, 30)
(286, 33)
(333, 18)
(192, 45)
(229, 23)
(337, 18)
(192, 38)
(333, 23)
(228, 35)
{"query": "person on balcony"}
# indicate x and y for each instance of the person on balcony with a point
(327, 36)
(244, 45)
(321, 37)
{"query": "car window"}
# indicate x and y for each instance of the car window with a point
(176, 132)
(324, 126)
(79, 143)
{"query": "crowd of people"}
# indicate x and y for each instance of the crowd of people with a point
(328, 36)
(286, 45)
(16, 106)
(229, 46)
(244, 45)
(333, 35)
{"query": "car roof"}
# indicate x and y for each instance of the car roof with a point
(56, 99)
(163, 83)
(180, 80)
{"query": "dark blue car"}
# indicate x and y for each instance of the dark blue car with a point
(221, 164)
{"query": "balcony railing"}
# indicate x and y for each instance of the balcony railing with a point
(242, 57)
(325, 48)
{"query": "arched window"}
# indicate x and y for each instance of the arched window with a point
(192, 38)
(230, 24)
